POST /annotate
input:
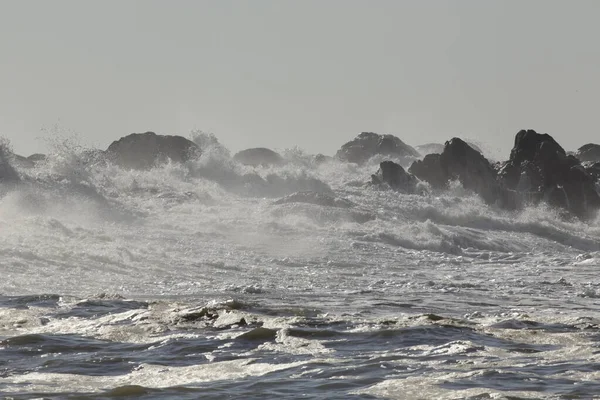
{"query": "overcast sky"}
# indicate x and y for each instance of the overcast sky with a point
(308, 73)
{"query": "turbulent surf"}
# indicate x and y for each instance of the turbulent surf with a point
(203, 274)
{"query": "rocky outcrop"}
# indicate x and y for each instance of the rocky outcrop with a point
(146, 150)
(589, 152)
(540, 170)
(430, 170)
(461, 162)
(395, 177)
(258, 157)
(368, 144)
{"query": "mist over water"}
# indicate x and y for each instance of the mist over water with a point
(212, 279)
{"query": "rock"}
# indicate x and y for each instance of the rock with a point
(395, 176)
(258, 157)
(146, 150)
(460, 161)
(593, 169)
(430, 170)
(540, 169)
(589, 152)
(430, 148)
(368, 144)
(7, 172)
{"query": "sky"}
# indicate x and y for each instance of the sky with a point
(311, 73)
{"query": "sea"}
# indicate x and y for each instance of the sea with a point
(180, 283)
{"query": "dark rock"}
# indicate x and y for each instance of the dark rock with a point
(258, 157)
(146, 150)
(368, 144)
(7, 172)
(460, 161)
(395, 176)
(593, 169)
(589, 152)
(540, 169)
(430, 170)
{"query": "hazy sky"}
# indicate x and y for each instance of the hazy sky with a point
(308, 73)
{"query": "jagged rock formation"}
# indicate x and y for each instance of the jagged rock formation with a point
(459, 161)
(146, 150)
(541, 169)
(369, 144)
(395, 177)
(430, 170)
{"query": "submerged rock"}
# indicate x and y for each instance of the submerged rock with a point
(146, 150)
(540, 169)
(589, 152)
(369, 144)
(258, 157)
(395, 177)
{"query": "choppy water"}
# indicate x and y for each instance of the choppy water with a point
(174, 284)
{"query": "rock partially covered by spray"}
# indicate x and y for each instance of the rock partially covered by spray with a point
(259, 157)
(369, 144)
(8, 174)
(146, 150)
(395, 177)
(540, 169)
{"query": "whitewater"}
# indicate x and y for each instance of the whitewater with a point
(171, 284)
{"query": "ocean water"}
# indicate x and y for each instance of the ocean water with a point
(188, 282)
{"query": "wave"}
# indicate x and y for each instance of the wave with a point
(77, 183)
